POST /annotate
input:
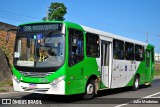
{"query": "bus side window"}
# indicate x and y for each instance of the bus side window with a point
(118, 49)
(139, 50)
(76, 48)
(92, 42)
(129, 51)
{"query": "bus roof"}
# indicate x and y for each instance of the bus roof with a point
(106, 34)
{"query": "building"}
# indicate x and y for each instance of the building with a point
(157, 56)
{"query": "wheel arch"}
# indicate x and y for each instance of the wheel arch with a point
(93, 77)
(136, 84)
(137, 74)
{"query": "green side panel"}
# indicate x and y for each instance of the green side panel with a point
(101, 85)
(16, 73)
(75, 78)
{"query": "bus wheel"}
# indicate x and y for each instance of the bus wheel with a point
(136, 83)
(90, 90)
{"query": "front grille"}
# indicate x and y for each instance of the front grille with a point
(36, 74)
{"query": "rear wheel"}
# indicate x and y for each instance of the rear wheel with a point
(90, 90)
(136, 83)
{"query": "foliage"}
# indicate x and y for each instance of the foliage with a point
(157, 73)
(3, 90)
(6, 86)
(56, 11)
(157, 69)
(7, 47)
(6, 83)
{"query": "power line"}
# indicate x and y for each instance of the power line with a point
(11, 16)
(12, 19)
(18, 14)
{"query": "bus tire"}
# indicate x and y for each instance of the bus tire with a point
(90, 90)
(136, 83)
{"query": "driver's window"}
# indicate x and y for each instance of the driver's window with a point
(75, 46)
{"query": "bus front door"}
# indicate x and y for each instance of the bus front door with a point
(105, 53)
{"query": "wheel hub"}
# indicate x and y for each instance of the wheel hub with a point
(89, 89)
(136, 83)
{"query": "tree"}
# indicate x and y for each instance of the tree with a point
(56, 11)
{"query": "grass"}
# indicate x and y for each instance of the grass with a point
(3, 90)
(157, 69)
(157, 73)
(6, 86)
(6, 83)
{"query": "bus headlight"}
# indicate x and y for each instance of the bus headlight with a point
(16, 79)
(57, 80)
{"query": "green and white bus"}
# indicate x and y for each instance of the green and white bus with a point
(64, 58)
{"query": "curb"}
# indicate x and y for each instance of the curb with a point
(156, 77)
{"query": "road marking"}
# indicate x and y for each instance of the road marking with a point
(122, 105)
(149, 96)
(9, 93)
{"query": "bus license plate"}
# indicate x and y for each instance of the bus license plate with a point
(33, 86)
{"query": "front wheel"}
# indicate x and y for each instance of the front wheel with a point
(90, 90)
(136, 83)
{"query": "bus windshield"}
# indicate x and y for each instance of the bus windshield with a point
(39, 49)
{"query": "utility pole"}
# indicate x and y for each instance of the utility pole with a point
(158, 52)
(158, 56)
(47, 13)
(147, 37)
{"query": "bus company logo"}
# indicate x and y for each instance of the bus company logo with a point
(6, 101)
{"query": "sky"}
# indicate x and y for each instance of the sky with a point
(129, 18)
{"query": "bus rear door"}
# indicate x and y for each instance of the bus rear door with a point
(149, 64)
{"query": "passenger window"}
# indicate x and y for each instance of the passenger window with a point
(139, 50)
(118, 49)
(92, 41)
(76, 48)
(129, 51)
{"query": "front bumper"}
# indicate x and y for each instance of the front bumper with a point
(57, 89)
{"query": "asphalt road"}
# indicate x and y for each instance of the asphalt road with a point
(121, 97)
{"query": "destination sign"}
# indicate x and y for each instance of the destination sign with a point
(40, 27)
